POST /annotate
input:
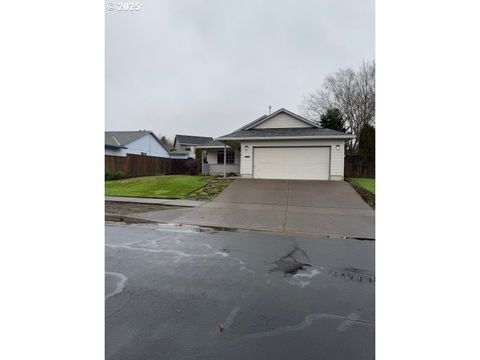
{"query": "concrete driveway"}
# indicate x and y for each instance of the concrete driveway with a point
(293, 206)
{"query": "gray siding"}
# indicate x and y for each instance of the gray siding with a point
(282, 120)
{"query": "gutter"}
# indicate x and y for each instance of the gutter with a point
(212, 147)
(286, 137)
(115, 147)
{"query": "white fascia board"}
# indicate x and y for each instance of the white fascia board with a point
(344, 137)
(212, 147)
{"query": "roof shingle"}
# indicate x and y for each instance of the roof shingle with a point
(192, 140)
(283, 132)
(121, 138)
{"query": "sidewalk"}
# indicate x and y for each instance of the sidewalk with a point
(171, 202)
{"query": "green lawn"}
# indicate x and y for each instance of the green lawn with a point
(368, 184)
(165, 186)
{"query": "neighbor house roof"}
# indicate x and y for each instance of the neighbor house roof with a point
(119, 139)
(192, 140)
(214, 144)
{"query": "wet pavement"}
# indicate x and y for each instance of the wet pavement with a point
(170, 289)
(291, 206)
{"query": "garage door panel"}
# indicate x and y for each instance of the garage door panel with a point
(302, 163)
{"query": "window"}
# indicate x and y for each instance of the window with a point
(230, 157)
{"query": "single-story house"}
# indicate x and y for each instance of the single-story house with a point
(188, 143)
(142, 142)
(282, 145)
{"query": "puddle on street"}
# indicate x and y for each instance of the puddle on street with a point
(215, 229)
(349, 237)
(289, 267)
(292, 267)
(289, 264)
(352, 274)
(194, 228)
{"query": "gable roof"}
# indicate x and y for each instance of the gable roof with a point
(192, 140)
(265, 118)
(314, 131)
(120, 139)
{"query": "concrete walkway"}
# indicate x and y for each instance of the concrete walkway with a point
(291, 206)
(172, 202)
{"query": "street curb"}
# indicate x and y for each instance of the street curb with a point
(131, 219)
(128, 219)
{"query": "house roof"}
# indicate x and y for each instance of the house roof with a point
(285, 133)
(119, 139)
(192, 140)
(312, 131)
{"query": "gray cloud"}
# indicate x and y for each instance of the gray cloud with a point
(206, 67)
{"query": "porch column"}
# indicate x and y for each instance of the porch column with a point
(224, 160)
(202, 160)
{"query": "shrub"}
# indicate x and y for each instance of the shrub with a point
(113, 175)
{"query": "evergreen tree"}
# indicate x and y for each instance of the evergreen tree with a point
(366, 140)
(333, 119)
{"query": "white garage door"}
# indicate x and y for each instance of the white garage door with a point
(303, 163)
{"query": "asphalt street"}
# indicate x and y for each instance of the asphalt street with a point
(171, 289)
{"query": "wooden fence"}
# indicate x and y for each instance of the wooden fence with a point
(360, 166)
(141, 165)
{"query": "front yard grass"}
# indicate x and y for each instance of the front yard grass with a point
(365, 188)
(163, 187)
(168, 187)
(368, 184)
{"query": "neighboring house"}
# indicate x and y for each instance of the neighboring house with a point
(121, 143)
(282, 145)
(189, 143)
(179, 155)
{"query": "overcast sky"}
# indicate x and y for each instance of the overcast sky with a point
(207, 67)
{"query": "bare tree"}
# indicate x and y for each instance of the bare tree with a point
(350, 91)
(168, 143)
